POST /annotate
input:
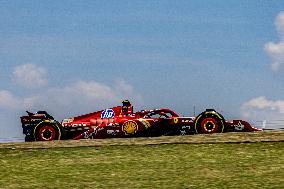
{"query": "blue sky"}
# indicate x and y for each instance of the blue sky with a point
(72, 57)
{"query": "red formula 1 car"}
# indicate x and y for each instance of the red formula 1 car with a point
(120, 121)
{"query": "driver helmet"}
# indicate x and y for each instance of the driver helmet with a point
(126, 103)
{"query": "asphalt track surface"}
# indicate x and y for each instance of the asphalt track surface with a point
(262, 136)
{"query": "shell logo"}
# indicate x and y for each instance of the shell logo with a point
(130, 127)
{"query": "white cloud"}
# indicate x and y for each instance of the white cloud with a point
(30, 76)
(261, 108)
(276, 50)
(122, 87)
(8, 100)
(75, 99)
(279, 22)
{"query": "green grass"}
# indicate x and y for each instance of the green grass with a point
(231, 165)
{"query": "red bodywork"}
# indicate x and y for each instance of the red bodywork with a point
(126, 125)
(120, 121)
(120, 125)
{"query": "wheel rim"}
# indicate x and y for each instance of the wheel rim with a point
(47, 133)
(209, 125)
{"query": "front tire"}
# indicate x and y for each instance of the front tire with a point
(209, 122)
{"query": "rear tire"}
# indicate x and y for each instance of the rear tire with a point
(209, 122)
(47, 132)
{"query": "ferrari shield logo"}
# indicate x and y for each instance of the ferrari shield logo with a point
(130, 127)
(175, 120)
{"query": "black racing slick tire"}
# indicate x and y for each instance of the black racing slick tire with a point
(47, 132)
(209, 122)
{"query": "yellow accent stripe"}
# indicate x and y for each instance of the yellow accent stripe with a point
(195, 125)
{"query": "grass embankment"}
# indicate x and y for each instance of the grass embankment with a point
(212, 165)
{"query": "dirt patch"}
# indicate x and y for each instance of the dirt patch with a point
(263, 136)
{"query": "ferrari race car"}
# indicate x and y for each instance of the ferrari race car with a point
(121, 121)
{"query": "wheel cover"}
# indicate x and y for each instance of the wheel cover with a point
(47, 133)
(209, 125)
